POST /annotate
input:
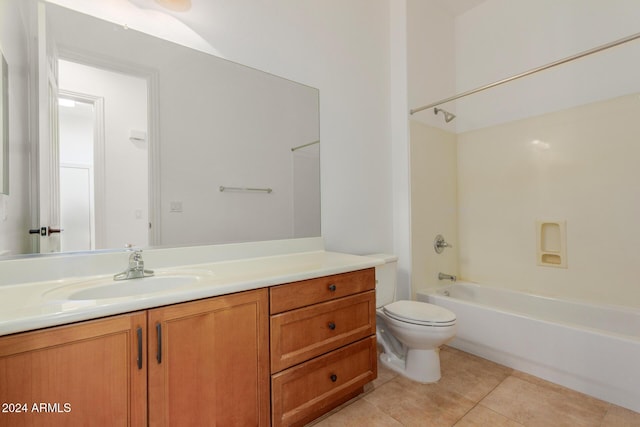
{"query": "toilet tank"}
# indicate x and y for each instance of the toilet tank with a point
(386, 279)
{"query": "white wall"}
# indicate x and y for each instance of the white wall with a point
(14, 208)
(501, 38)
(431, 60)
(126, 183)
(76, 134)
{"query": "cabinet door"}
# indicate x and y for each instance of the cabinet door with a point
(209, 362)
(90, 373)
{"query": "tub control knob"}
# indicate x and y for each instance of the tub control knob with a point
(439, 244)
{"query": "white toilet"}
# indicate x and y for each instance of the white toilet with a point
(410, 332)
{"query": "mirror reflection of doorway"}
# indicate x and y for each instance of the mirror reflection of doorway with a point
(104, 158)
(77, 216)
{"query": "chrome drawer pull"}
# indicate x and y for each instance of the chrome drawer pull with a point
(332, 326)
(333, 378)
(332, 288)
(139, 358)
(159, 350)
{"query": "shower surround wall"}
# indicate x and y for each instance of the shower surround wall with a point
(434, 205)
(522, 180)
(578, 165)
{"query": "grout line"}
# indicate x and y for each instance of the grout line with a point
(480, 401)
(604, 417)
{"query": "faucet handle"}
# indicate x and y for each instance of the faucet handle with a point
(136, 256)
(439, 244)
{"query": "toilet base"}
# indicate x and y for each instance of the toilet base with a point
(418, 365)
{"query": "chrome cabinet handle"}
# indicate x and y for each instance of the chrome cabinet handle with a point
(159, 349)
(139, 360)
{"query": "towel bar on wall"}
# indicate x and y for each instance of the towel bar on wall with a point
(264, 190)
(305, 145)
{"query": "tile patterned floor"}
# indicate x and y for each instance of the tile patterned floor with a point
(474, 392)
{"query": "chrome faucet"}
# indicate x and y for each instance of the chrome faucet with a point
(442, 276)
(439, 244)
(136, 268)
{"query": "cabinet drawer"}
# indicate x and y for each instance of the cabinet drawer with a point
(302, 334)
(306, 292)
(306, 391)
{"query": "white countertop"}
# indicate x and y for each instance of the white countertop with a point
(35, 305)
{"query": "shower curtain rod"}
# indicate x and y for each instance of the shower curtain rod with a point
(533, 71)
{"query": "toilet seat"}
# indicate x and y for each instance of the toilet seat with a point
(420, 313)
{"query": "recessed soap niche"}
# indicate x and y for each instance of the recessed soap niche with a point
(551, 243)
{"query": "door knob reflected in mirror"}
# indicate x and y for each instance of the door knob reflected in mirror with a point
(45, 231)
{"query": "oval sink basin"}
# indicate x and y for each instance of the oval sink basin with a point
(96, 288)
(126, 288)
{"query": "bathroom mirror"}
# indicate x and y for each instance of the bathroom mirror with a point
(4, 126)
(163, 145)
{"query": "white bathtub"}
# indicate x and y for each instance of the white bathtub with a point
(590, 348)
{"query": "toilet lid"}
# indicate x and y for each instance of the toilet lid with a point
(420, 313)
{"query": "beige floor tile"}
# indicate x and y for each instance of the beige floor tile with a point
(359, 413)
(514, 399)
(384, 375)
(621, 417)
(546, 384)
(537, 404)
(469, 375)
(415, 404)
(485, 417)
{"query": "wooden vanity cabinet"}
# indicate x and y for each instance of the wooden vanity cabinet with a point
(90, 373)
(208, 362)
(323, 347)
(200, 363)
(283, 355)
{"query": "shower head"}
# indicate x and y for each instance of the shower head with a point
(447, 115)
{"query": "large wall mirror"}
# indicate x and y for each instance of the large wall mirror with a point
(143, 142)
(4, 125)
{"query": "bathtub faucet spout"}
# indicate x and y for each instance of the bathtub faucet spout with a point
(442, 276)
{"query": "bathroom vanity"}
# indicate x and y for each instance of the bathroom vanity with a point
(266, 340)
(323, 347)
